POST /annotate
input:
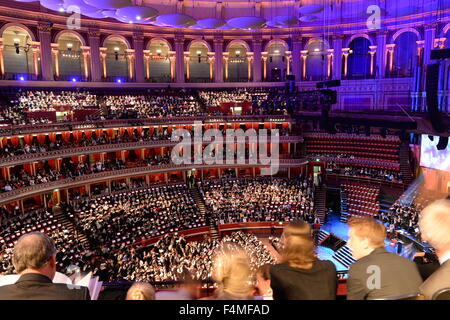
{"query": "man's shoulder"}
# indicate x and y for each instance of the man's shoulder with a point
(54, 291)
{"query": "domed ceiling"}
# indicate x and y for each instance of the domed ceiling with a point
(240, 14)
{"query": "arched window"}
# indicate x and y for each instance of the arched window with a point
(18, 54)
(237, 63)
(198, 63)
(316, 61)
(276, 62)
(405, 55)
(70, 64)
(359, 59)
(117, 64)
(159, 62)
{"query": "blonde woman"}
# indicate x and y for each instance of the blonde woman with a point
(231, 271)
(301, 275)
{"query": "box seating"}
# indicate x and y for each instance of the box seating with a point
(362, 200)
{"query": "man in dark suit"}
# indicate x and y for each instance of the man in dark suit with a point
(434, 224)
(377, 273)
(34, 259)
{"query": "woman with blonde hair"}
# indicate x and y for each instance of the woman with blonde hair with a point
(301, 275)
(232, 272)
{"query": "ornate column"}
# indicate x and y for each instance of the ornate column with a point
(257, 45)
(420, 46)
(430, 31)
(86, 51)
(264, 58)
(2, 63)
(96, 63)
(103, 56)
(130, 59)
(372, 51)
(172, 62)
(381, 55)
(44, 30)
(187, 60)
(337, 57)
(218, 55)
(225, 59)
(345, 53)
(211, 65)
(35, 48)
(138, 43)
(249, 65)
(304, 54)
(296, 48)
(390, 52)
(330, 53)
(147, 64)
(179, 61)
(55, 53)
(288, 61)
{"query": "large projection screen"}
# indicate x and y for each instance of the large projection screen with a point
(431, 157)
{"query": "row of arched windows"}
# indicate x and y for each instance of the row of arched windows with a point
(20, 57)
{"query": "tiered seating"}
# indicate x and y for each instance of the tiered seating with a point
(354, 146)
(361, 200)
(43, 223)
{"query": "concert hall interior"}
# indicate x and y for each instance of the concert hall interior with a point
(217, 150)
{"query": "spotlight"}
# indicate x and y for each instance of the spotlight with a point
(22, 78)
(138, 18)
(74, 80)
(61, 10)
(119, 80)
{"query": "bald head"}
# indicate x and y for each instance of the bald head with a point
(434, 224)
(141, 291)
(33, 251)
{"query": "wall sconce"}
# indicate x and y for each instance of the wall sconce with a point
(16, 45)
(238, 52)
(69, 46)
(116, 53)
(199, 55)
(158, 51)
(276, 51)
(316, 50)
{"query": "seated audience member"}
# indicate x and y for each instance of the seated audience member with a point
(263, 283)
(34, 259)
(141, 291)
(189, 289)
(434, 224)
(377, 273)
(301, 276)
(232, 272)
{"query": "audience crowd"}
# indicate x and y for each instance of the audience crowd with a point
(266, 199)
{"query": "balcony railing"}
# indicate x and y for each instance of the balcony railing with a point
(65, 153)
(33, 190)
(10, 130)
